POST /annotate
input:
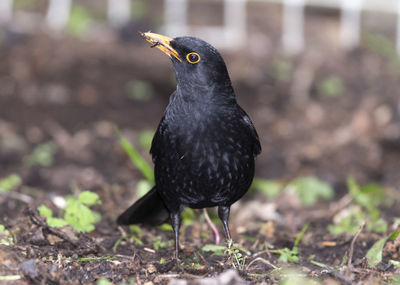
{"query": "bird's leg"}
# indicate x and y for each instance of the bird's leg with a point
(223, 213)
(176, 224)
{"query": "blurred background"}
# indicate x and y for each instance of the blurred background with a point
(320, 80)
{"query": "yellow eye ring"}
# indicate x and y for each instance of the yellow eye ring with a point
(193, 57)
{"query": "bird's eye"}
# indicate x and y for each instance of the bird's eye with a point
(193, 57)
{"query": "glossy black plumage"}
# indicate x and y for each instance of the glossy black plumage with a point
(205, 145)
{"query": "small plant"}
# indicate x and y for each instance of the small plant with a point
(291, 255)
(77, 213)
(10, 183)
(287, 255)
(215, 249)
(237, 253)
(331, 86)
(366, 198)
(269, 188)
(5, 236)
(136, 234)
(158, 243)
(350, 222)
(309, 189)
(42, 155)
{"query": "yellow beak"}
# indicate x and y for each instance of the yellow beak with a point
(162, 43)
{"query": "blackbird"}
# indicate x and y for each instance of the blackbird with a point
(205, 145)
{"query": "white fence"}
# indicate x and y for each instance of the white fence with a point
(233, 31)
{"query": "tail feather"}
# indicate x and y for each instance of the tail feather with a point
(148, 210)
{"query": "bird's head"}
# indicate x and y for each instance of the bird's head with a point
(198, 65)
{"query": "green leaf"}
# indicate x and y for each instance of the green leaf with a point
(394, 235)
(5, 236)
(10, 182)
(89, 198)
(301, 234)
(310, 189)
(165, 227)
(44, 211)
(158, 243)
(319, 264)
(135, 230)
(377, 226)
(268, 187)
(287, 255)
(188, 216)
(3, 230)
(331, 86)
(56, 222)
(80, 216)
(137, 160)
(349, 224)
(136, 239)
(369, 196)
(216, 249)
(42, 155)
(374, 254)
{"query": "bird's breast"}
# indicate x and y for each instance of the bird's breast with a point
(204, 164)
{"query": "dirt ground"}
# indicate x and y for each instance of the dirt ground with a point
(73, 93)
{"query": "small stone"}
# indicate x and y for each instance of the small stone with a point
(151, 269)
(29, 268)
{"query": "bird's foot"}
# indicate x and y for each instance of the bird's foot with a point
(178, 265)
(229, 243)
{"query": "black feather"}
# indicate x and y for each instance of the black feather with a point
(148, 210)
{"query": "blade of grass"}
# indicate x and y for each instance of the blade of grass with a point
(134, 155)
(95, 258)
(300, 235)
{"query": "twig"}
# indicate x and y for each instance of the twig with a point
(334, 273)
(261, 260)
(123, 232)
(257, 254)
(17, 196)
(34, 216)
(149, 250)
(351, 250)
(212, 226)
(202, 258)
(341, 204)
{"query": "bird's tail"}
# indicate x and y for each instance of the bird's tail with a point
(148, 210)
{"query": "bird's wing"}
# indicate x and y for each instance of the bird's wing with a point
(154, 146)
(155, 149)
(245, 119)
